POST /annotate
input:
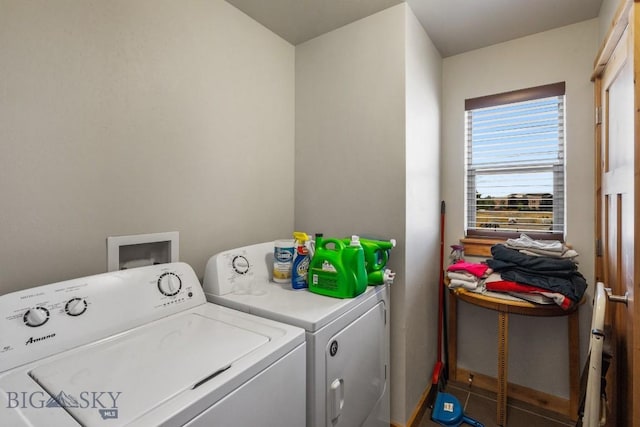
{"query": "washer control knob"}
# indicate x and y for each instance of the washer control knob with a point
(169, 284)
(37, 316)
(240, 264)
(75, 306)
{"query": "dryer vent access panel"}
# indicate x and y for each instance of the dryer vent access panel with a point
(141, 250)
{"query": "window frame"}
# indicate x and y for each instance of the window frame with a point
(500, 99)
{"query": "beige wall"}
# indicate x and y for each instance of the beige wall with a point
(367, 141)
(605, 18)
(537, 347)
(423, 71)
(349, 155)
(350, 152)
(120, 117)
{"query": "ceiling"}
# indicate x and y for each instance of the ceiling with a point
(454, 26)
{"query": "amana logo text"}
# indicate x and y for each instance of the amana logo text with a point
(35, 340)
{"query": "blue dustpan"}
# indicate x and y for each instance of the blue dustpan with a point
(447, 411)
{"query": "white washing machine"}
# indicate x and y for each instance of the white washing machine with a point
(347, 339)
(142, 347)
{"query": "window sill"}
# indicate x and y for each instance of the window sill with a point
(479, 246)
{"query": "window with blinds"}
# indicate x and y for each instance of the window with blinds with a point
(515, 163)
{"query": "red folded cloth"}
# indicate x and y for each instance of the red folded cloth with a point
(507, 286)
(477, 270)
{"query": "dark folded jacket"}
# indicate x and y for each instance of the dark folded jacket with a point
(557, 275)
(537, 263)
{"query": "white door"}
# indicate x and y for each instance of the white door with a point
(356, 370)
(618, 198)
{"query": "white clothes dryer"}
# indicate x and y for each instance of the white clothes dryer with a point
(142, 347)
(347, 339)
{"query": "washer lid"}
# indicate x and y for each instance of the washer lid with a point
(300, 307)
(135, 372)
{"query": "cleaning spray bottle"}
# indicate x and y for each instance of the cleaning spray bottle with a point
(301, 259)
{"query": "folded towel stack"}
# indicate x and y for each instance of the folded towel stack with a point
(467, 275)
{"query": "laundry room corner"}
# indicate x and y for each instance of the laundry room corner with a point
(538, 356)
(367, 104)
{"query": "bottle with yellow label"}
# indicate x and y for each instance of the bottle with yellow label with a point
(300, 267)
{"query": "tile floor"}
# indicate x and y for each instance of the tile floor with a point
(481, 405)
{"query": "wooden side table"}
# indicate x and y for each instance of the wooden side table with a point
(505, 307)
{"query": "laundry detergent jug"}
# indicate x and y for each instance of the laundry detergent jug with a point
(337, 269)
(376, 256)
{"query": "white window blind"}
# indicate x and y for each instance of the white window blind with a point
(515, 162)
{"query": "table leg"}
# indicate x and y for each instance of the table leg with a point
(574, 364)
(503, 347)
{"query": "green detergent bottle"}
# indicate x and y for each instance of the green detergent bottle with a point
(376, 256)
(337, 269)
